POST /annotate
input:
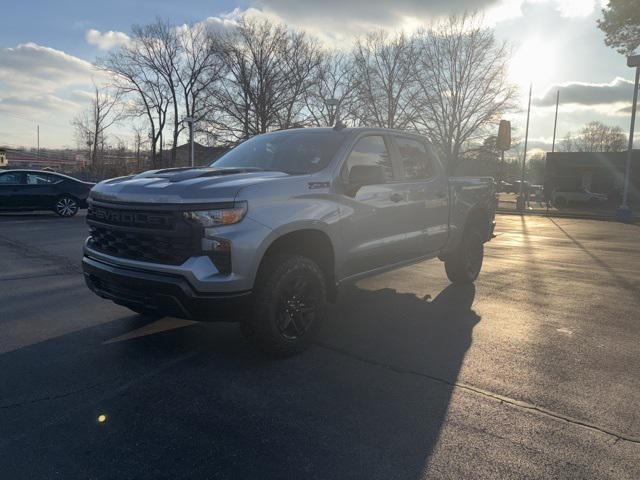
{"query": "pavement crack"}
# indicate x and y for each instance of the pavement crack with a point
(37, 275)
(488, 394)
(29, 251)
(49, 397)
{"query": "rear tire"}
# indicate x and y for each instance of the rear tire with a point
(66, 206)
(288, 305)
(464, 265)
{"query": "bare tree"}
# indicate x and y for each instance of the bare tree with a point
(596, 137)
(336, 79)
(200, 68)
(566, 145)
(138, 142)
(387, 84)
(268, 69)
(143, 88)
(301, 58)
(462, 72)
(91, 125)
(159, 52)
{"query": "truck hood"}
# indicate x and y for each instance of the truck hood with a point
(182, 185)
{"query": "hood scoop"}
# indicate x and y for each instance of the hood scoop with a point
(187, 173)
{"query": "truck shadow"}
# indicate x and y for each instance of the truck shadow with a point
(369, 401)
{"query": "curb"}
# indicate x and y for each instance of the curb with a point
(605, 218)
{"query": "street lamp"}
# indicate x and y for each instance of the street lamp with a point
(624, 212)
(333, 103)
(190, 121)
(521, 202)
(89, 145)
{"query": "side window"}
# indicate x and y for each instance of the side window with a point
(10, 178)
(370, 150)
(40, 179)
(416, 160)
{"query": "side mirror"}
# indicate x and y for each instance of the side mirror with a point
(361, 175)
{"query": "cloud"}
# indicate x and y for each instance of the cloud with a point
(106, 40)
(37, 103)
(45, 86)
(619, 90)
(571, 8)
(30, 67)
(345, 18)
(371, 11)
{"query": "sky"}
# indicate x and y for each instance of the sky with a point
(47, 49)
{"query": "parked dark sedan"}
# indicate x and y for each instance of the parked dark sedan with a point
(42, 190)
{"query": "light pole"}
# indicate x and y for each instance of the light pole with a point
(333, 103)
(89, 145)
(555, 123)
(624, 213)
(191, 121)
(520, 203)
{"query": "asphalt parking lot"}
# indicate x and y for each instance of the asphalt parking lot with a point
(532, 373)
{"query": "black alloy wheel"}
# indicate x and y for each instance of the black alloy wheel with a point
(297, 308)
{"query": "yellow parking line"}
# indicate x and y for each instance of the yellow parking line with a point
(162, 325)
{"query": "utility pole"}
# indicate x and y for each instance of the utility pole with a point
(520, 204)
(624, 212)
(38, 135)
(555, 123)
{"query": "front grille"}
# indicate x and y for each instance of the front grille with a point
(126, 234)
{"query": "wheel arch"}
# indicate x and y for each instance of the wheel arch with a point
(309, 242)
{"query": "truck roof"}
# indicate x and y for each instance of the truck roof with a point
(354, 130)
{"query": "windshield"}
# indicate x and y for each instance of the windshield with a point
(289, 152)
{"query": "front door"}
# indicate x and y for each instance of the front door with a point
(372, 216)
(39, 191)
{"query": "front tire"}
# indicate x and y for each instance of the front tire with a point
(288, 305)
(464, 265)
(66, 206)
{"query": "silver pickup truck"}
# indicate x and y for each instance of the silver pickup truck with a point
(268, 233)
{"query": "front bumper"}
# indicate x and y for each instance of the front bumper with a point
(164, 293)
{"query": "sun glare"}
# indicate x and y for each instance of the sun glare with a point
(533, 62)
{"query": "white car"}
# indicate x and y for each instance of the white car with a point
(561, 198)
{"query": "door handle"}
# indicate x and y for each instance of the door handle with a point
(396, 197)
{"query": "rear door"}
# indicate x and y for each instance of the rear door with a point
(372, 224)
(427, 191)
(10, 185)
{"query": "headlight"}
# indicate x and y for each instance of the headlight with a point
(219, 216)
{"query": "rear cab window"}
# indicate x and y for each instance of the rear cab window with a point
(416, 159)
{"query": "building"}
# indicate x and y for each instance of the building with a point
(203, 155)
(594, 171)
(62, 161)
(3, 158)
